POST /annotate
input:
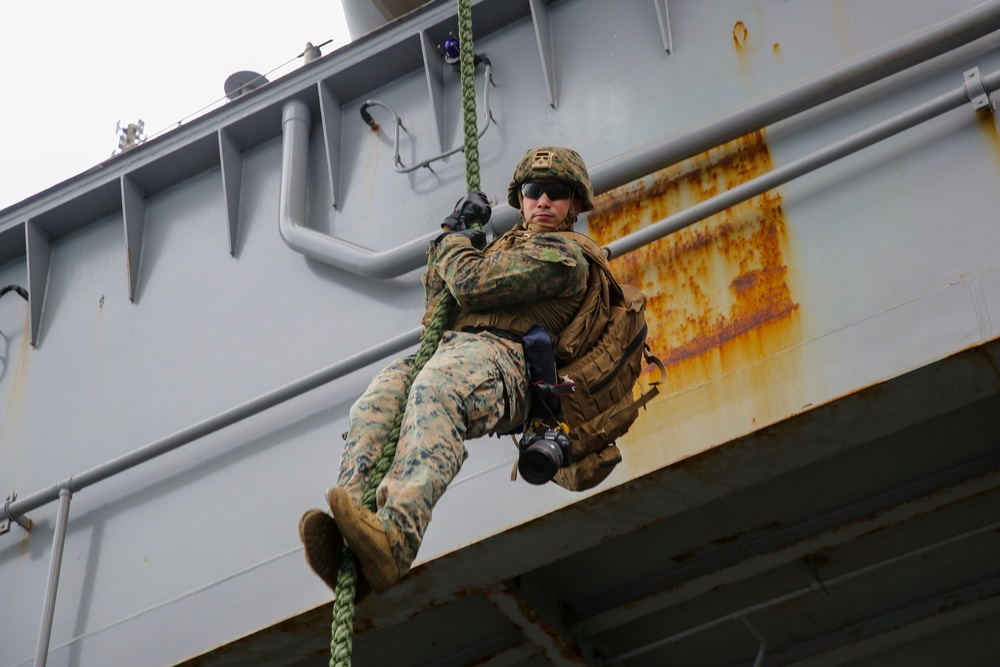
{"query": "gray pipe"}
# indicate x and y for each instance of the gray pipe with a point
(52, 583)
(213, 424)
(824, 156)
(295, 121)
(813, 91)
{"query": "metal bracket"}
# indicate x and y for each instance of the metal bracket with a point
(663, 16)
(23, 522)
(543, 36)
(38, 253)
(975, 88)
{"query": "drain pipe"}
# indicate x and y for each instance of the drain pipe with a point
(813, 91)
(52, 583)
(295, 123)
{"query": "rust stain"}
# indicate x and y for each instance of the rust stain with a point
(718, 291)
(530, 618)
(740, 35)
(987, 123)
(727, 539)
(777, 49)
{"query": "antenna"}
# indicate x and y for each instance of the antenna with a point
(129, 136)
(243, 82)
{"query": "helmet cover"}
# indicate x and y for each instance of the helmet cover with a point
(551, 163)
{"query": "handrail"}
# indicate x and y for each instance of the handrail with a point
(805, 94)
(803, 165)
(825, 86)
(75, 483)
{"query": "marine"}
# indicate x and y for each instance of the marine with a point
(475, 384)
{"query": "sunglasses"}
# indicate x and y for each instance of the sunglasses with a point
(555, 191)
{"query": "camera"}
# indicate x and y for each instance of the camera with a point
(543, 452)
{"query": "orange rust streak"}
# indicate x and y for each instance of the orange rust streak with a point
(987, 123)
(713, 282)
(740, 34)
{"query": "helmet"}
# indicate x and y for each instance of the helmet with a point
(552, 163)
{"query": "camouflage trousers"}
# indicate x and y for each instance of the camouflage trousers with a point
(475, 384)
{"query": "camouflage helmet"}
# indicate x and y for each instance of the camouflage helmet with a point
(552, 163)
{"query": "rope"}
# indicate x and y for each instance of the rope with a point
(467, 67)
(341, 644)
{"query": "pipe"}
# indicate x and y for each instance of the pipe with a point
(813, 91)
(52, 583)
(824, 156)
(213, 424)
(344, 255)
(805, 590)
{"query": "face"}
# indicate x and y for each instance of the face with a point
(545, 214)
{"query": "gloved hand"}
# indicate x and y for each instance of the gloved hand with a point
(473, 206)
(476, 236)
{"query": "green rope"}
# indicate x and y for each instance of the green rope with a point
(341, 644)
(467, 67)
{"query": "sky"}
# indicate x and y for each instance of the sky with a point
(72, 70)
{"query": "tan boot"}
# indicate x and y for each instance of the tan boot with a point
(323, 547)
(367, 538)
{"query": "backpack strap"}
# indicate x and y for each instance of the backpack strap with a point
(595, 311)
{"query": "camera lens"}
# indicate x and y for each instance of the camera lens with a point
(539, 463)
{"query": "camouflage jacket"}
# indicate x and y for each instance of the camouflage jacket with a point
(519, 279)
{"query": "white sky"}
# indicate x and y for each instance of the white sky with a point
(73, 68)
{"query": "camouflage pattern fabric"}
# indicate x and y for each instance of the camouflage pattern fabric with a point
(474, 385)
(552, 163)
(516, 268)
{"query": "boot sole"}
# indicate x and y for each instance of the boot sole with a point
(323, 543)
(374, 560)
(323, 548)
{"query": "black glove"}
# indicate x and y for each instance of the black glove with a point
(476, 236)
(470, 208)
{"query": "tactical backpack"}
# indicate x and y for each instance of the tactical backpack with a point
(603, 347)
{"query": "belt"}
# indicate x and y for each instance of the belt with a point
(500, 333)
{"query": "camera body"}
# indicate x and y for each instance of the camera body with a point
(543, 450)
